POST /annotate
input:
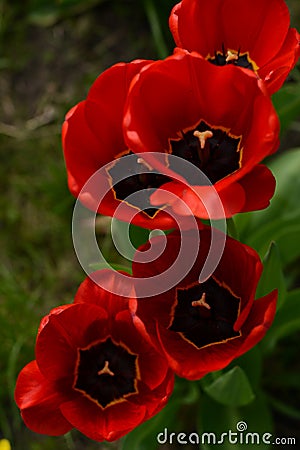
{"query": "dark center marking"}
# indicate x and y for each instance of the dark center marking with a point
(205, 313)
(106, 372)
(141, 180)
(223, 57)
(212, 150)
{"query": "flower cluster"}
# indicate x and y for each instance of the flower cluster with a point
(106, 363)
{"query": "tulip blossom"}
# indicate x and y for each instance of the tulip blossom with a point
(95, 368)
(254, 34)
(203, 325)
(218, 119)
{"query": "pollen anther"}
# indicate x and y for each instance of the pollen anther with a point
(105, 370)
(201, 302)
(202, 136)
(230, 56)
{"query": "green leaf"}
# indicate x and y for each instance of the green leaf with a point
(251, 363)
(120, 236)
(286, 322)
(272, 276)
(284, 408)
(44, 13)
(287, 104)
(284, 231)
(155, 25)
(127, 237)
(138, 235)
(279, 222)
(221, 419)
(231, 228)
(231, 388)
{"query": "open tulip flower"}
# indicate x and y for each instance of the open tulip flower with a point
(254, 34)
(95, 369)
(93, 139)
(203, 326)
(218, 119)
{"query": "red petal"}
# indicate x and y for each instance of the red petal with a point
(275, 71)
(182, 357)
(240, 269)
(93, 137)
(204, 202)
(81, 149)
(249, 26)
(92, 132)
(173, 24)
(252, 26)
(259, 186)
(163, 112)
(197, 26)
(98, 424)
(155, 399)
(259, 321)
(263, 138)
(99, 288)
(152, 365)
(65, 332)
(39, 402)
(105, 104)
(187, 89)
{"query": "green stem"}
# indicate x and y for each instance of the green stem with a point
(153, 19)
(232, 229)
(283, 408)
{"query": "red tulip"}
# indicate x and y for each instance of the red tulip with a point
(95, 368)
(218, 119)
(203, 326)
(255, 34)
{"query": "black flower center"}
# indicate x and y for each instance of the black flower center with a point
(212, 150)
(106, 372)
(140, 180)
(221, 58)
(205, 313)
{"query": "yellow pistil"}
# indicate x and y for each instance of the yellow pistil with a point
(106, 370)
(201, 302)
(231, 56)
(202, 136)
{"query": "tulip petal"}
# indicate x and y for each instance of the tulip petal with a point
(259, 186)
(249, 28)
(103, 424)
(59, 340)
(39, 401)
(259, 321)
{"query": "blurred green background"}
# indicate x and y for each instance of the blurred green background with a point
(50, 53)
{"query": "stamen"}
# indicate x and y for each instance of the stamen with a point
(142, 161)
(202, 136)
(230, 56)
(105, 370)
(201, 302)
